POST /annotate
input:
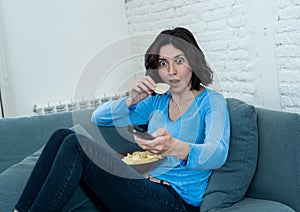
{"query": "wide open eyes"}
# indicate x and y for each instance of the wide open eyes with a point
(179, 60)
(162, 63)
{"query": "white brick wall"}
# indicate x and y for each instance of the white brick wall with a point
(253, 48)
(287, 37)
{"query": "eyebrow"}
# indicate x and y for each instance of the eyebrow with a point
(161, 58)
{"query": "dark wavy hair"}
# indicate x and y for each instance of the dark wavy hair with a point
(184, 40)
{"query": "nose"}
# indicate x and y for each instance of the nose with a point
(172, 69)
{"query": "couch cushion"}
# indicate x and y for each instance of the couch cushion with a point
(277, 175)
(229, 183)
(250, 205)
(13, 180)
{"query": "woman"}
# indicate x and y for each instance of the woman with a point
(190, 124)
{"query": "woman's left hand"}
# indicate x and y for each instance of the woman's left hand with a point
(164, 144)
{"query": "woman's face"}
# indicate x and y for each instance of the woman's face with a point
(174, 69)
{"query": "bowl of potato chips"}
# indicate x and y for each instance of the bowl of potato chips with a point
(143, 161)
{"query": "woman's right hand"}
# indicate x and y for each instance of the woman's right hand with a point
(140, 90)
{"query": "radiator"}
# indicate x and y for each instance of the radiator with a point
(75, 104)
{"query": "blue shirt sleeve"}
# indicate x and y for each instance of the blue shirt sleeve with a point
(213, 152)
(116, 113)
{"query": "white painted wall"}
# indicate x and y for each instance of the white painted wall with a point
(47, 44)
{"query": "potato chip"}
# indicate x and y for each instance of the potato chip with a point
(161, 88)
(140, 157)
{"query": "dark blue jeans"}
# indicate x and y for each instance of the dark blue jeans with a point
(64, 165)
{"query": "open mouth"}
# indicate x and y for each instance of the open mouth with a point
(174, 82)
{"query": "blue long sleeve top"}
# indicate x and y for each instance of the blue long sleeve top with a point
(204, 126)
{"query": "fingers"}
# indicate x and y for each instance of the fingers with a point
(160, 132)
(151, 81)
(146, 85)
(142, 89)
(161, 144)
(144, 144)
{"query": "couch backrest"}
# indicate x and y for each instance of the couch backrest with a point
(277, 175)
(20, 137)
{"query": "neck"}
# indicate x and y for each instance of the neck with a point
(183, 98)
(186, 96)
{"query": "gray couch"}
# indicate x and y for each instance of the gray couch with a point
(262, 172)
